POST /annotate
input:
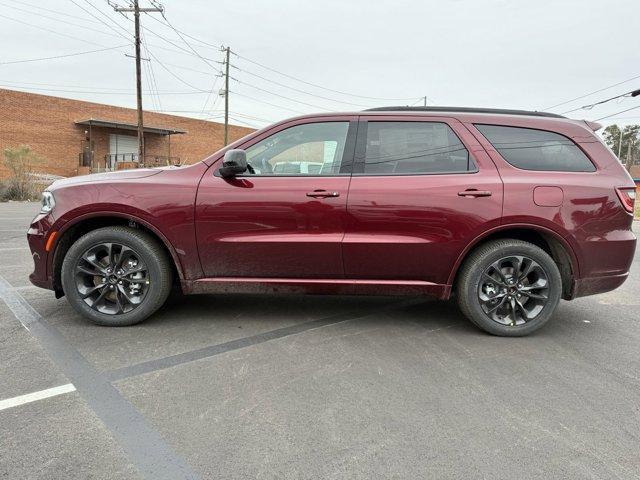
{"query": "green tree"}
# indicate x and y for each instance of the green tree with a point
(21, 162)
(629, 148)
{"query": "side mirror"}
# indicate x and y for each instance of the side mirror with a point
(234, 163)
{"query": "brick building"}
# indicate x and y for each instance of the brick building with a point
(75, 137)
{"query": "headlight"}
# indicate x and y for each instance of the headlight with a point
(48, 202)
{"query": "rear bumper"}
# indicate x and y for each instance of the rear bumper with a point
(593, 285)
(605, 263)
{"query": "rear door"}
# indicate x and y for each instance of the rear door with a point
(422, 189)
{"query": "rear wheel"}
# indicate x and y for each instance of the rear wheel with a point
(116, 276)
(509, 287)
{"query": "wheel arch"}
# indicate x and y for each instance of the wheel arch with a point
(74, 229)
(550, 241)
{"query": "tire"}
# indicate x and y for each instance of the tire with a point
(484, 301)
(118, 300)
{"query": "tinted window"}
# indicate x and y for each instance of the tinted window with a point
(531, 149)
(310, 149)
(414, 148)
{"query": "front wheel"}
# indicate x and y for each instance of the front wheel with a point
(509, 287)
(116, 276)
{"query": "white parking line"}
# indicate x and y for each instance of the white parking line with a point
(32, 397)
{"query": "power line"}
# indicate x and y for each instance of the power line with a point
(52, 11)
(617, 113)
(591, 93)
(151, 54)
(184, 82)
(65, 85)
(298, 90)
(281, 96)
(186, 34)
(182, 51)
(266, 103)
(182, 34)
(219, 113)
(319, 86)
(63, 56)
(150, 71)
(185, 41)
(191, 52)
(126, 37)
(632, 93)
(53, 31)
(194, 52)
(42, 15)
(245, 122)
(94, 92)
(213, 87)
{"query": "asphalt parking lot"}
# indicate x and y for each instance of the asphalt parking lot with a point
(236, 387)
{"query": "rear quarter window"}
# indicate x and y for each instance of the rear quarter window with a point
(531, 149)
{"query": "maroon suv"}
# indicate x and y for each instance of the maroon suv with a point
(508, 210)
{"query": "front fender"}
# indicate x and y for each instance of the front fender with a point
(63, 225)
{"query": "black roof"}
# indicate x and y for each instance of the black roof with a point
(93, 122)
(465, 110)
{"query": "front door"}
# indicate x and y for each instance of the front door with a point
(286, 216)
(422, 189)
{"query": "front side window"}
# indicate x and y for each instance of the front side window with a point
(405, 148)
(310, 149)
(531, 149)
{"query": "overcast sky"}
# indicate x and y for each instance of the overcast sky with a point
(485, 53)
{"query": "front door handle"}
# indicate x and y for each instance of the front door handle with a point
(472, 192)
(322, 194)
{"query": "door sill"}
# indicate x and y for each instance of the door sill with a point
(329, 286)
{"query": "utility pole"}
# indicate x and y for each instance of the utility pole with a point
(620, 145)
(425, 100)
(227, 51)
(136, 13)
(629, 160)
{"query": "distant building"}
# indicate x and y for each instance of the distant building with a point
(76, 137)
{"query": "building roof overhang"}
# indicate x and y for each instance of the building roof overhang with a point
(93, 122)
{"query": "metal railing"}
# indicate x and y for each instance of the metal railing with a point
(116, 161)
(160, 160)
(111, 160)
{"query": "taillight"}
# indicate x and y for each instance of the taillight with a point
(627, 196)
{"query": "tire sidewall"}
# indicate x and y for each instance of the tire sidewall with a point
(475, 277)
(141, 246)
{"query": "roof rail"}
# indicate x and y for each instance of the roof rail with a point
(465, 110)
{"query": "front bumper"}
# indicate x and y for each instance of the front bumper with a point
(37, 236)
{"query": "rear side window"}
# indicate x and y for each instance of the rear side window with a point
(532, 149)
(405, 148)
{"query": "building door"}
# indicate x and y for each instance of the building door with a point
(122, 148)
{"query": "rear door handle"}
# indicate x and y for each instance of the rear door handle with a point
(322, 194)
(472, 192)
